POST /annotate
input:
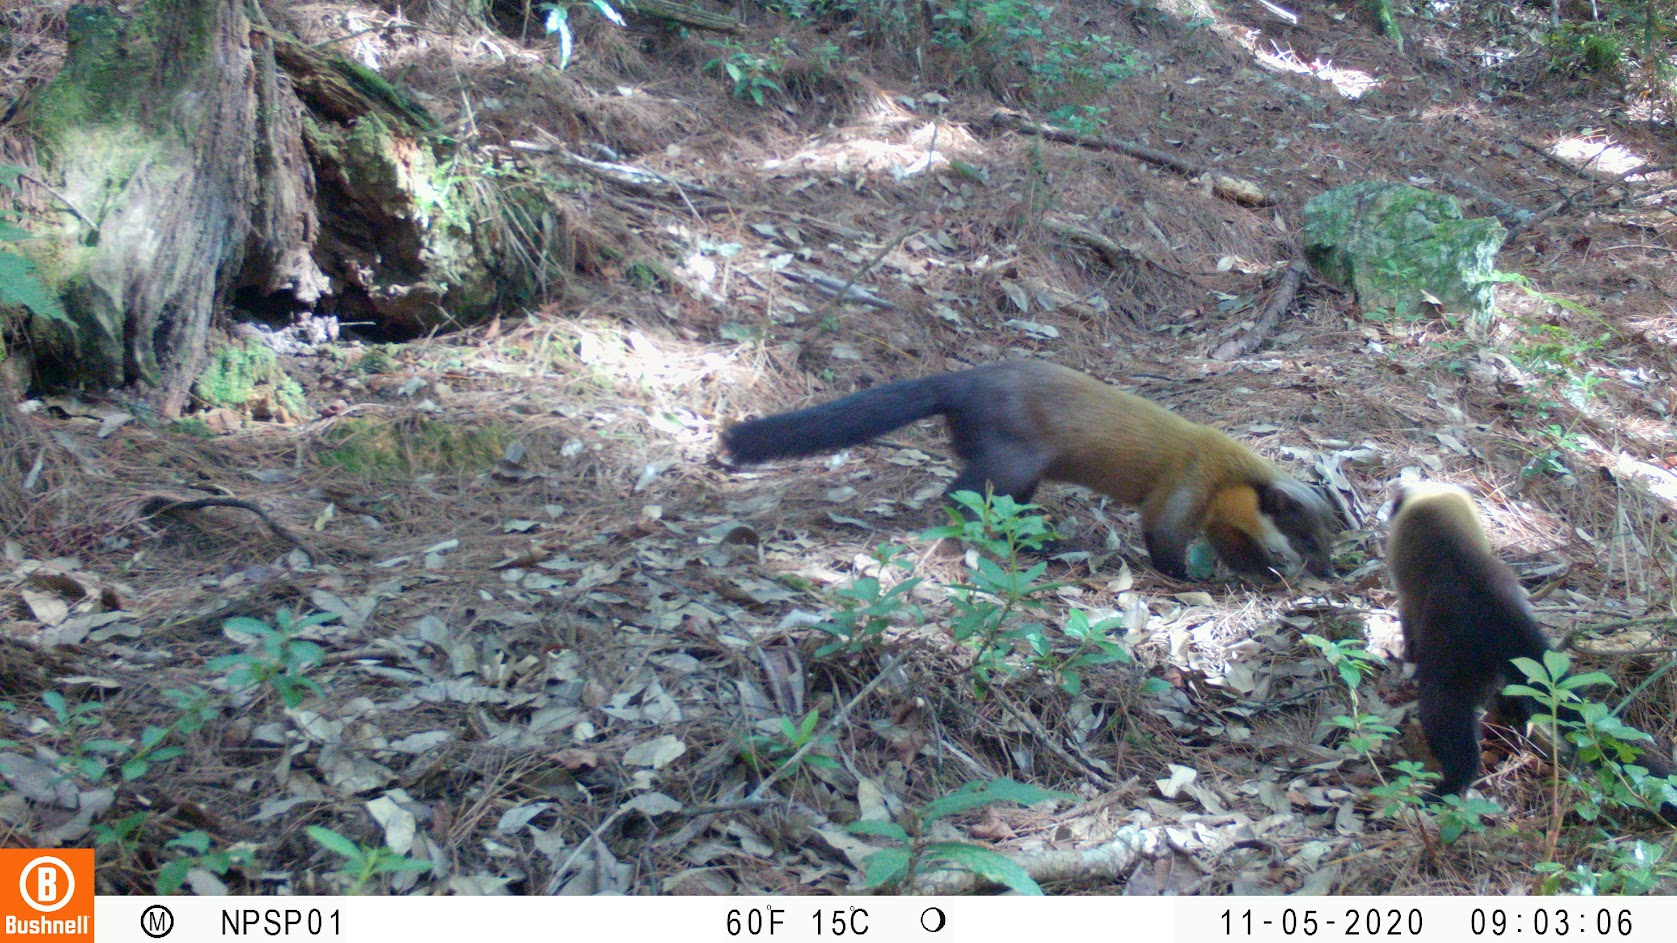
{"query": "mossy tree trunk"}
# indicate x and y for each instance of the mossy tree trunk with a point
(150, 125)
(208, 157)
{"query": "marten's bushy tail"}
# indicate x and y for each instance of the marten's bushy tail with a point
(842, 423)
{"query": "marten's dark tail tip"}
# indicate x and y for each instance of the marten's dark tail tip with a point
(749, 442)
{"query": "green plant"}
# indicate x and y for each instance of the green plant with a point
(867, 608)
(122, 836)
(1611, 781)
(1093, 648)
(20, 280)
(1606, 745)
(1013, 43)
(376, 359)
(915, 855)
(193, 849)
(362, 863)
(1381, 12)
(85, 756)
(1632, 869)
(1087, 120)
(752, 74)
(281, 658)
(557, 21)
(1352, 661)
(999, 591)
(1462, 814)
(1585, 48)
(767, 753)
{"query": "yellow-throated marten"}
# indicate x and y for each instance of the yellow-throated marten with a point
(1017, 423)
(1465, 618)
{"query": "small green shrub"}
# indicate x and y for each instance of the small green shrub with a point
(280, 659)
(362, 863)
(752, 74)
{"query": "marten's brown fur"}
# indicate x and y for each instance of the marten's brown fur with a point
(1018, 423)
(1465, 618)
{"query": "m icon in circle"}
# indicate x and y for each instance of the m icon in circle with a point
(157, 921)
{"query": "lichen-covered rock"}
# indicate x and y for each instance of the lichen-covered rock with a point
(1394, 244)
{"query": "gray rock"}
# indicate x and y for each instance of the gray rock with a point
(1393, 245)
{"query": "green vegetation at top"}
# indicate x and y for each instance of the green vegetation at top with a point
(1011, 48)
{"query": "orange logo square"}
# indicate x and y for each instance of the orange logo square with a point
(46, 894)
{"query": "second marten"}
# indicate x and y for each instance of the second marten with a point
(1465, 619)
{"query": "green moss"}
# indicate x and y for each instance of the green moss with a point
(374, 86)
(115, 70)
(247, 376)
(400, 450)
(325, 140)
(376, 360)
(647, 275)
(195, 427)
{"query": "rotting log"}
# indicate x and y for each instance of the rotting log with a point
(216, 163)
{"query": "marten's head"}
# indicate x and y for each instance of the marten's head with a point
(1305, 518)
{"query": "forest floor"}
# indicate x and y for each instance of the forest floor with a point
(558, 620)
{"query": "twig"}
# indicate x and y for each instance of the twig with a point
(1114, 255)
(160, 506)
(833, 301)
(1265, 323)
(1647, 682)
(1646, 170)
(1538, 217)
(625, 176)
(832, 287)
(586, 843)
(1290, 17)
(1557, 162)
(78, 214)
(1083, 764)
(1234, 189)
(1596, 628)
(1625, 652)
(372, 29)
(827, 728)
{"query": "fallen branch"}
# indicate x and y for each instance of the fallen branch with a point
(1114, 255)
(685, 15)
(624, 176)
(1535, 218)
(1250, 340)
(1233, 189)
(1069, 752)
(74, 211)
(836, 289)
(1105, 862)
(161, 506)
(1511, 216)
